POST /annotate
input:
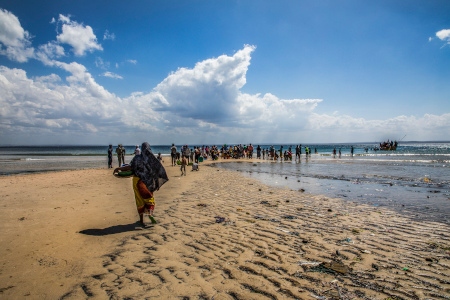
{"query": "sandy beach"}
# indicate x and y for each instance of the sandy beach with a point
(73, 235)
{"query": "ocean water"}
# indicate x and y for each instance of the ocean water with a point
(32, 159)
(414, 179)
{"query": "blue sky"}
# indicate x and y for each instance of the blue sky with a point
(206, 72)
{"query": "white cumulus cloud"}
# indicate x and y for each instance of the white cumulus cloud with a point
(80, 37)
(15, 41)
(209, 91)
(35, 102)
(444, 35)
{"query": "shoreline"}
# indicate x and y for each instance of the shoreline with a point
(71, 235)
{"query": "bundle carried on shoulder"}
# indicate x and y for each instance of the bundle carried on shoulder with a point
(123, 174)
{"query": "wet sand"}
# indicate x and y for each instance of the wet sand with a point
(73, 235)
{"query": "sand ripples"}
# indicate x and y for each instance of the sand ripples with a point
(273, 244)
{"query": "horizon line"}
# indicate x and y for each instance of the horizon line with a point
(208, 144)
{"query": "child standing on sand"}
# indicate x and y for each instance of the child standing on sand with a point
(183, 166)
(159, 157)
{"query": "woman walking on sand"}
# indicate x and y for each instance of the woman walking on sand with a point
(148, 176)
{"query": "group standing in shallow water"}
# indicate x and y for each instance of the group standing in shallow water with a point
(270, 153)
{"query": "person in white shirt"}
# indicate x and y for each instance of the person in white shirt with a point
(137, 151)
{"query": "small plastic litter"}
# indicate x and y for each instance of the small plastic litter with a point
(284, 230)
(309, 263)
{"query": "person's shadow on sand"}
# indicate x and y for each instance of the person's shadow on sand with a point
(110, 230)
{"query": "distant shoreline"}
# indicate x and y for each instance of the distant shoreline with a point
(217, 144)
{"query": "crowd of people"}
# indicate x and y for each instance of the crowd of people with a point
(197, 153)
(270, 153)
(149, 174)
(193, 155)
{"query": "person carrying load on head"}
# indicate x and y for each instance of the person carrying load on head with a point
(148, 176)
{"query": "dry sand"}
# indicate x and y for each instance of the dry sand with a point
(72, 235)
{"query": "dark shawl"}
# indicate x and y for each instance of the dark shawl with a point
(149, 169)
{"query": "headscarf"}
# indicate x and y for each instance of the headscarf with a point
(148, 168)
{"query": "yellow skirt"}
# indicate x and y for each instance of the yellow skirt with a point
(142, 204)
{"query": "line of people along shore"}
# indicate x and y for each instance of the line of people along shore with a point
(199, 153)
